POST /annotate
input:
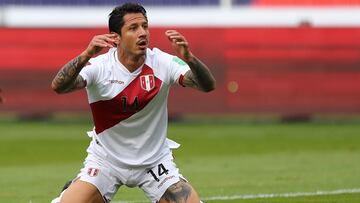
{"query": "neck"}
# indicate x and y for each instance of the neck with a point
(131, 62)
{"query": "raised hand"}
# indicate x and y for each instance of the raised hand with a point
(99, 42)
(199, 77)
(68, 79)
(179, 44)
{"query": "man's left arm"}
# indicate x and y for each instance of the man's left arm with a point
(199, 75)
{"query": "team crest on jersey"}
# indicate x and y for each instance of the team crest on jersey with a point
(92, 172)
(147, 82)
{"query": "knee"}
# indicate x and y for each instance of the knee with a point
(180, 192)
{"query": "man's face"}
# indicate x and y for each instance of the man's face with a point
(134, 38)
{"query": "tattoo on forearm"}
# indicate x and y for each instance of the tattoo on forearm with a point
(200, 77)
(190, 81)
(78, 84)
(67, 78)
(177, 193)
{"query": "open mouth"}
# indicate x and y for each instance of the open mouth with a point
(142, 44)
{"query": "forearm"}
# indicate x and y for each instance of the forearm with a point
(201, 75)
(66, 77)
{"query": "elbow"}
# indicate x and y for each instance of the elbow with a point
(56, 89)
(210, 87)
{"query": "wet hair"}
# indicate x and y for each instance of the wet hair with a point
(116, 17)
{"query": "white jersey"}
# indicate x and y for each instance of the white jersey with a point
(130, 108)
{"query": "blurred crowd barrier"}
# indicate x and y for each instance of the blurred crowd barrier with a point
(184, 2)
(287, 62)
(300, 70)
(114, 2)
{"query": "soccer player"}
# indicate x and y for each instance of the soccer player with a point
(127, 90)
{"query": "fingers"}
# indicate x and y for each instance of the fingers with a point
(176, 38)
(99, 42)
(105, 40)
(171, 32)
(179, 44)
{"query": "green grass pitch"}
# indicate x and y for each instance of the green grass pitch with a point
(219, 159)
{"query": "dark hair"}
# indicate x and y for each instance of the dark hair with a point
(116, 17)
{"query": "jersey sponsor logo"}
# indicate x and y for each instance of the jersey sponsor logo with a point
(92, 172)
(116, 82)
(147, 82)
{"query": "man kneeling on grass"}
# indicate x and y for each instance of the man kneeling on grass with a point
(127, 90)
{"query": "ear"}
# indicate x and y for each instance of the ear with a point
(117, 39)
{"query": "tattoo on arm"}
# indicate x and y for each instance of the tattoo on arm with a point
(199, 77)
(177, 193)
(79, 83)
(68, 79)
(189, 80)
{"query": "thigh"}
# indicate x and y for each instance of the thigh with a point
(180, 192)
(164, 175)
(81, 192)
(96, 181)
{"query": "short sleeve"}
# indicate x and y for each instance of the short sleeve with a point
(178, 68)
(90, 73)
(171, 69)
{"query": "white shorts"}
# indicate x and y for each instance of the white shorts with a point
(107, 177)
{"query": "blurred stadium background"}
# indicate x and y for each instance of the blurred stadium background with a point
(293, 59)
(274, 60)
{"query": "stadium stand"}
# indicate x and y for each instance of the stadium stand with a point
(109, 2)
(293, 71)
(298, 70)
(305, 2)
(182, 2)
(277, 70)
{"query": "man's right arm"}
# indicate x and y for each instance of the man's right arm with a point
(68, 78)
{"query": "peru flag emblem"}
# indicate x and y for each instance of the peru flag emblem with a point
(92, 172)
(147, 82)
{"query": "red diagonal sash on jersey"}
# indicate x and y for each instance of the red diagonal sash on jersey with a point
(132, 99)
